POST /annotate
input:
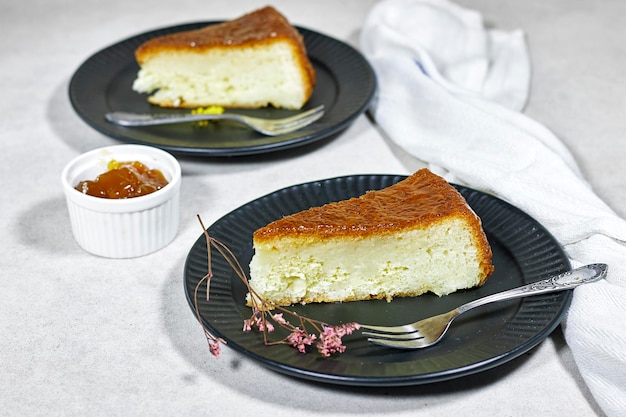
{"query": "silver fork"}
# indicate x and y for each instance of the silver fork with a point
(429, 331)
(269, 127)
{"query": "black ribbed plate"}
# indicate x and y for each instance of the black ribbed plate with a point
(103, 83)
(523, 252)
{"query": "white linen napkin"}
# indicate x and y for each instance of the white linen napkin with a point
(450, 92)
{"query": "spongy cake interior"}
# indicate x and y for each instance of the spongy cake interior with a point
(253, 61)
(441, 259)
(416, 236)
(257, 76)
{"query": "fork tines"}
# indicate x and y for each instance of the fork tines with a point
(403, 337)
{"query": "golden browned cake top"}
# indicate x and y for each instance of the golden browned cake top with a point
(419, 200)
(259, 26)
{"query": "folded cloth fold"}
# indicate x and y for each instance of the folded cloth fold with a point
(450, 93)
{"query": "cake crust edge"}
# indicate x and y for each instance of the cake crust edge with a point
(260, 28)
(305, 225)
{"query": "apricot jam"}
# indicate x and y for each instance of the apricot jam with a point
(124, 180)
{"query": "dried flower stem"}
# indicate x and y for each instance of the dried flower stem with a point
(326, 338)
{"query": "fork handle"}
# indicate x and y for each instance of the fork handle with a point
(150, 119)
(561, 282)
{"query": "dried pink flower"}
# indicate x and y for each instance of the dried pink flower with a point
(347, 328)
(214, 347)
(278, 318)
(329, 340)
(264, 325)
(259, 321)
(247, 325)
(300, 339)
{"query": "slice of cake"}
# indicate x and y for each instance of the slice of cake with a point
(416, 236)
(254, 61)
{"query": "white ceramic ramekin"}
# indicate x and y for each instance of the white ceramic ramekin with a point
(123, 228)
